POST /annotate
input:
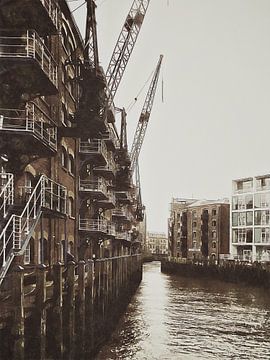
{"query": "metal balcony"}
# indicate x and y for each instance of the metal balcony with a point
(108, 170)
(30, 62)
(122, 215)
(94, 188)
(97, 227)
(42, 15)
(111, 139)
(39, 131)
(108, 203)
(123, 235)
(95, 150)
(123, 197)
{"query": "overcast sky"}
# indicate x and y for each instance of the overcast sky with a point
(213, 125)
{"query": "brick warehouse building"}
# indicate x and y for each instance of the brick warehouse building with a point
(199, 229)
(61, 185)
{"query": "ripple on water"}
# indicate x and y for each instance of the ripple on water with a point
(178, 318)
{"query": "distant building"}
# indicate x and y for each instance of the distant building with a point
(199, 229)
(156, 243)
(250, 211)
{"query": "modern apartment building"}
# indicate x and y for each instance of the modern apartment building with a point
(199, 229)
(250, 211)
(156, 243)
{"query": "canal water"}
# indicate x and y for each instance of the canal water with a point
(172, 317)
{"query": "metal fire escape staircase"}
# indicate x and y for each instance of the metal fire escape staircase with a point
(46, 197)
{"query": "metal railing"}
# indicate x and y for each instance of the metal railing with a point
(97, 185)
(28, 45)
(32, 120)
(123, 235)
(6, 192)
(52, 10)
(97, 226)
(111, 197)
(93, 225)
(110, 135)
(93, 146)
(119, 212)
(19, 228)
(123, 195)
(109, 167)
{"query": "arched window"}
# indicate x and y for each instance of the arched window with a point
(64, 157)
(71, 210)
(28, 186)
(29, 255)
(64, 115)
(71, 247)
(71, 164)
(44, 251)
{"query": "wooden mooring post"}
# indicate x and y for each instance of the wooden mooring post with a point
(67, 312)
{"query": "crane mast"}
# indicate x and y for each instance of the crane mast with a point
(144, 118)
(124, 46)
(91, 46)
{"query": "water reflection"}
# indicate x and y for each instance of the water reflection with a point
(178, 318)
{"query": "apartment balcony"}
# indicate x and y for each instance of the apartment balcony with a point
(97, 227)
(33, 126)
(123, 235)
(25, 56)
(108, 203)
(42, 15)
(124, 197)
(96, 188)
(111, 139)
(108, 170)
(95, 150)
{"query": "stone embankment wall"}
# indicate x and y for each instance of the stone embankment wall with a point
(65, 312)
(255, 274)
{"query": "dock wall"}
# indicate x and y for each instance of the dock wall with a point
(65, 312)
(255, 274)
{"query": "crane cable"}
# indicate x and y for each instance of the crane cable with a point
(133, 102)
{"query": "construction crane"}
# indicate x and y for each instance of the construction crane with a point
(124, 46)
(139, 137)
(144, 118)
(91, 46)
(90, 71)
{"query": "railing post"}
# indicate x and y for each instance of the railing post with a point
(51, 193)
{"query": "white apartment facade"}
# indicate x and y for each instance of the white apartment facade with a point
(250, 213)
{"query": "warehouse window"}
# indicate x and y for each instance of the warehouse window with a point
(64, 157)
(71, 165)
(71, 211)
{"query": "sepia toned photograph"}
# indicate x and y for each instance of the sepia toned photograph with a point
(134, 180)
